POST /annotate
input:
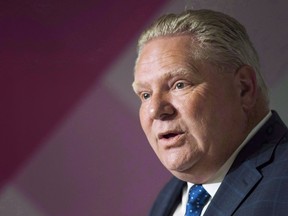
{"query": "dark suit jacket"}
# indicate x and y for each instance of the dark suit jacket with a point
(255, 185)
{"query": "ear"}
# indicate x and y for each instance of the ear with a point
(247, 83)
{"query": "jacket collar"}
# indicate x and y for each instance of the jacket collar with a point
(243, 174)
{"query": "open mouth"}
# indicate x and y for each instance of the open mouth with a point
(171, 139)
(169, 135)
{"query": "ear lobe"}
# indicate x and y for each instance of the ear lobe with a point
(246, 78)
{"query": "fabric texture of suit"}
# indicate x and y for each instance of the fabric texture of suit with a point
(255, 185)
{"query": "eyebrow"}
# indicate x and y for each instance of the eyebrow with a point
(169, 75)
(181, 71)
(177, 72)
(137, 85)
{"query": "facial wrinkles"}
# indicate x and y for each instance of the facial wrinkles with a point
(146, 78)
(164, 59)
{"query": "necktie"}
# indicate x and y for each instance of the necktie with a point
(197, 199)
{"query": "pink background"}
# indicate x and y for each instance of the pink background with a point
(71, 143)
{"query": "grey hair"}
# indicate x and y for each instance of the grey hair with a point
(217, 38)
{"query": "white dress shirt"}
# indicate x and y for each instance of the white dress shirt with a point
(212, 186)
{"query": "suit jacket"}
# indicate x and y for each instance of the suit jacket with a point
(255, 185)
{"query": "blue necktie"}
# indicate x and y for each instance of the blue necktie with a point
(197, 199)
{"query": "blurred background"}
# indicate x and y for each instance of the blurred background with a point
(71, 143)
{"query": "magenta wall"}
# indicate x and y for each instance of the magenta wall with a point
(71, 143)
(55, 160)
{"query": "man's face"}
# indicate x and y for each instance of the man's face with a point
(190, 112)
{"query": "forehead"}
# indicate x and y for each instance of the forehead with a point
(163, 55)
(163, 49)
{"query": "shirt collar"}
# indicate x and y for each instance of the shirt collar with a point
(212, 186)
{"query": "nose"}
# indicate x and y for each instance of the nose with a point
(160, 107)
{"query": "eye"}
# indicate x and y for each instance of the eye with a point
(180, 85)
(145, 96)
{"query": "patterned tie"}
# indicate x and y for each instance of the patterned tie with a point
(197, 199)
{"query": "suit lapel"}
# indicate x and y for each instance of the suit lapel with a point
(243, 174)
(232, 191)
(168, 199)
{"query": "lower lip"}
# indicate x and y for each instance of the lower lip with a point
(172, 142)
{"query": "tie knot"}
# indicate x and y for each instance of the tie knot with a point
(197, 199)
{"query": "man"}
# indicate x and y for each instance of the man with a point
(205, 112)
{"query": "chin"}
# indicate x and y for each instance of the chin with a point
(178, 167)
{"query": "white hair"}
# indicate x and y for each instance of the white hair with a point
(217, 38)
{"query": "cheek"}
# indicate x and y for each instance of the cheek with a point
(143, 118)
(145, 122)
(193, 110)
(199, 117)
